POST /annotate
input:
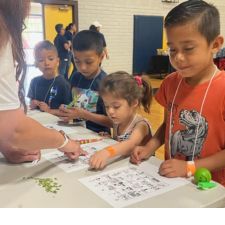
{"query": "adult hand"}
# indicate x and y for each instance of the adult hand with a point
(72, 150)
(173, 168)
(14, 155)
(139, 153)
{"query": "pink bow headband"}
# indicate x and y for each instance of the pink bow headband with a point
(138, 79)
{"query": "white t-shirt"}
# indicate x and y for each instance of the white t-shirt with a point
(8, 86)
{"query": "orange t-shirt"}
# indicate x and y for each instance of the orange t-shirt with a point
(186, 114)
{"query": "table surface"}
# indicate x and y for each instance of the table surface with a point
(15, 192)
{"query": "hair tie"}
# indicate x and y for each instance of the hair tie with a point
(138, 79)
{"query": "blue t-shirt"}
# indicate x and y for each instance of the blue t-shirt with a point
(59, 44)
(85, 91)
(54, 92)
(69, 36)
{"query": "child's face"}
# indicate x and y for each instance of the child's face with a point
(47, 62)
(62, 31)
(88, 62)
(118, 109)
(190, 53)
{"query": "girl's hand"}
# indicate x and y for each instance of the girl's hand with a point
(99, 159)
(173, 168)
(44, 107)
(139, 154)
(34, 104)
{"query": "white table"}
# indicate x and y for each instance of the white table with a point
(14, 192)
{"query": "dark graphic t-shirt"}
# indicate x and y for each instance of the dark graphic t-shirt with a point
(54, 92)
(85, 93)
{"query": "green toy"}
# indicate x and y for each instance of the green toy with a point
(206, 185)
(203, 178)
(202, 175)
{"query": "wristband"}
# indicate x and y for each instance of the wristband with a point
(190, 168)
(111, 151)
(65, 141)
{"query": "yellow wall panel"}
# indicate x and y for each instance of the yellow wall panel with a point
(164, 44)
(53, 15)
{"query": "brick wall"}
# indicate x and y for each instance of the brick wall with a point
(117, 20)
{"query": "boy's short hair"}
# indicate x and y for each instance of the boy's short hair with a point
(206, 16)
(58, 27)
(44, 45)
(88, 40)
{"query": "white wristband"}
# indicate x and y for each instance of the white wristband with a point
(65, 141)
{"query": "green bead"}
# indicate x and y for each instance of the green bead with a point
(202, 175)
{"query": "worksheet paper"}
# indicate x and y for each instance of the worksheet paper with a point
(131, 184)
(67, 130)
(67, 165)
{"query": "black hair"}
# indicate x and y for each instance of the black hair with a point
(88, 40)
(44, 45)
(123, 85)
(206, 16)
(58, 27)
(93, 28)
(70, 25)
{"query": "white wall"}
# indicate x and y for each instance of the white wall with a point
(117, 20)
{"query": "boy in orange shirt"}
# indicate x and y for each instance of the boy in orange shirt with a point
(193, 97)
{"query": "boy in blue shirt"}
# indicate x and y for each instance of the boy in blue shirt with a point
(88, 54)
(48, 91)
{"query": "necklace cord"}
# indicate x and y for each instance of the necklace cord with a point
(199, 118)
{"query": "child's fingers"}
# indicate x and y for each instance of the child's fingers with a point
(98, 164)
(83, 153)
(102, 164)
(167, 172)
(62, 106)
(136, 155)
(92, 161)
(64, 109)
(64, 119)
(133, 159)
(165, 169)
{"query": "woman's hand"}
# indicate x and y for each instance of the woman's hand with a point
(16, 155)
(72, 150)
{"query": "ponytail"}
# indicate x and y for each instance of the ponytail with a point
(131, 88)
(146, 99)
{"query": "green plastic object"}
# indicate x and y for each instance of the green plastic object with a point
(202, 175)
(206, 185)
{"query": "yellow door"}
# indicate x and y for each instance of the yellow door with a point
(53, 15)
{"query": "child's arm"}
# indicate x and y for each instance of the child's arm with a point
(178, 168)
(99, 159)
(78, 113)
(144, 152)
